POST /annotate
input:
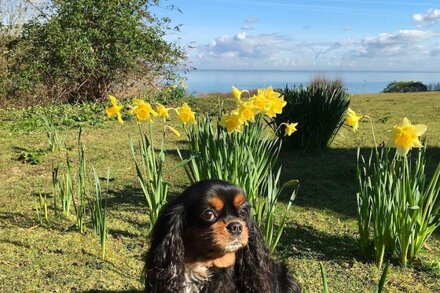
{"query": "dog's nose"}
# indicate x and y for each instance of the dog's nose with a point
(235, 228)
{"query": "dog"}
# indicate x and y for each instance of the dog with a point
(205, 240)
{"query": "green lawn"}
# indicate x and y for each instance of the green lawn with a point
(321, 226)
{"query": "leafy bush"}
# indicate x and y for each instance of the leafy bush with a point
(319, 111)
(405, 87)
(84, 48)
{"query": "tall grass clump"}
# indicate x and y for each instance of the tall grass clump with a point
(54, 140)
(62, 189)
(81, 190)
(41, 208)
(150, 174)
(319, 110)
(71, 187)
(98, 208)
(398, 207)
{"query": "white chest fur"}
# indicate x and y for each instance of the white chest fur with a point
(196, 275)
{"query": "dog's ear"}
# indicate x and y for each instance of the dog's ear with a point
(164, 263)
(252, 262)
(257, 272)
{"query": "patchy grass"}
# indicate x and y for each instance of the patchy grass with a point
(321, 226)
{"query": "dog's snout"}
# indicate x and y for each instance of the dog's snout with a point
(235, 228)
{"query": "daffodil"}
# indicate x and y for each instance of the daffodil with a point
(353, 119)
(260, 101)
(237, 93)
(290, 128)
(247, 111)
(173, 130)
(162, 111)
(232, 122)
(142, 110)
(276, 104)
(406, 136)
(115, 109)
(185, 114)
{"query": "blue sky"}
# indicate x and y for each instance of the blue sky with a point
(309, 35)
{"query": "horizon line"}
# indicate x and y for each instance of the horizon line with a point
(314, 70)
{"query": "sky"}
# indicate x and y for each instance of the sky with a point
(385, 35)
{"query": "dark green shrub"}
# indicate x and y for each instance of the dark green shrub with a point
(405, 87)
(319, 110)
(82, 49)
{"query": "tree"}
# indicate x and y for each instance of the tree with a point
(83, 48)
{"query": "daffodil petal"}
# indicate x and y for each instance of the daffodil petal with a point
(420, 129)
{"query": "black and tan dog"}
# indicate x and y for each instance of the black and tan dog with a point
(206, 241)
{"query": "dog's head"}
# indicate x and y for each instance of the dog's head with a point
(216, 220)
(208, 223)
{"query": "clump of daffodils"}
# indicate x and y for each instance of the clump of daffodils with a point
(144, 112)
(266, 102)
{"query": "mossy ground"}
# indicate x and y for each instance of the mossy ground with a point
(321, 227)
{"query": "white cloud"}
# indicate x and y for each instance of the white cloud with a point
(429, 18)
(401, 50)
(243, 45)
(401, 43)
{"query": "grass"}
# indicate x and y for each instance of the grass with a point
(321, 225)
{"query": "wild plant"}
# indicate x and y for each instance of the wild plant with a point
(54, 140)
(41, 208)
(80, 207)
(98, 209)
(398, 207)
(150, 173)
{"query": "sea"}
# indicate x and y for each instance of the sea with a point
(356, 82)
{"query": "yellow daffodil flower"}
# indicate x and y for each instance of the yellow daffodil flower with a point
(290, 128)
(237, 93)
(247, 111)
(162, 111)
(260, 102)
(115, 109)
(185, 114)
(276, 105)
(353, 119)
(173, 130)
(406, 136)
(142, 110)
(232, 122)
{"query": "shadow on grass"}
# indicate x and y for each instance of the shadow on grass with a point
(16, 219)
(328, 180)
(309, 243)
(113, 291)
(127, 197)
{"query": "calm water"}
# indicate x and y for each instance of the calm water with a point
(205, 81)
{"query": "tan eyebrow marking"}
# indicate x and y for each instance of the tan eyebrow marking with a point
(239, 199)
(216, 202)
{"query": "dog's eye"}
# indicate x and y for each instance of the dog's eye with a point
(243, 213)
(208, 215)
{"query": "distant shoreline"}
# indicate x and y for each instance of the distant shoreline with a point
(317, 71)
